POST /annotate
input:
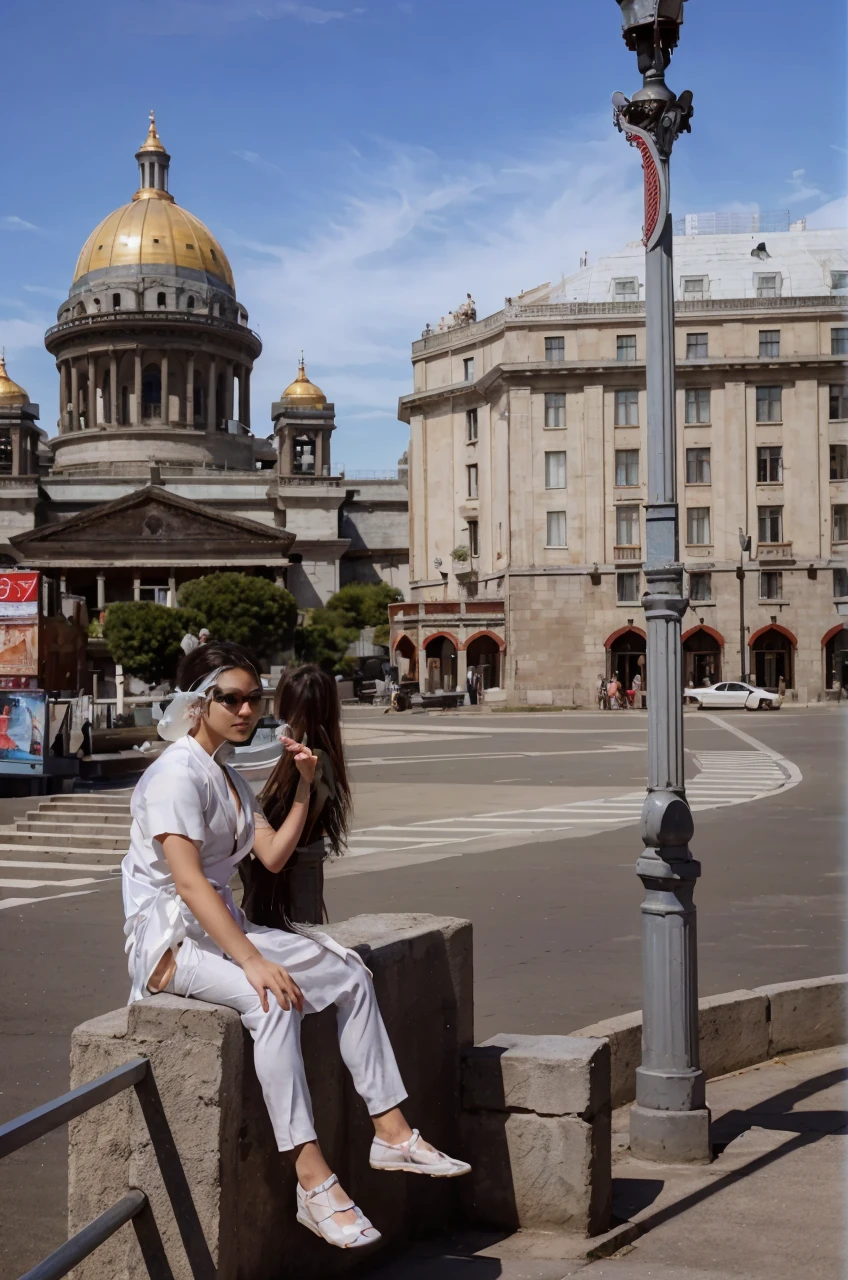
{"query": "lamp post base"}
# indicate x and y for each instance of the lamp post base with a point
(670, 1137)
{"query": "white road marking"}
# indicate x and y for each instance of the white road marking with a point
(438, 757)
(48, 884)
(25, 902)
(53, 866)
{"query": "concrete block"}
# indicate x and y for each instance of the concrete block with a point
(733, 1031)
(550, 1075)
(625, 1041)
(807, 1015)
(539, 697)
(537, 1171)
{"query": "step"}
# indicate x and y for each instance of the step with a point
(29, 852)
(45, 840)
(97, 818)
(81, 803)
(70, 814)
(112, 830)
(18, 861)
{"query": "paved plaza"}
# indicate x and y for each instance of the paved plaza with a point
(527, 824)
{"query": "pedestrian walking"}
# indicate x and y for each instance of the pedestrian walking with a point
(613, 688)
(194, 820)
(471, 686)
(637, 690)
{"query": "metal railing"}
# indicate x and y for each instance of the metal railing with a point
(160, 317)
(134, 1206)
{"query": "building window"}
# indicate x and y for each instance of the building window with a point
(468, 369)
(839, 280)
(554, 349)
(700, 586)
(626, 290)
(698, 466)
(554, 409)
(770, 464)
(471, 425)
(627, 588)
(160, 299)
(697, 346)
(770, 524)
(770, 342)
(838, 404)
(698, 526)
(625, 347)
(769, 404)
(839, 342)
(839, 462)
(627, 526)
(556, 529)
(97, 304)
(116, 302)
(555, 470)
(626, 468)
(695, 288)
(627, 408)
(5, 453)
(768, 286)
(474, 537)
(190, 302)
(471, 490)
(697, 406)
(840, 523)
(840, 584)
(771, 584)
(303, 460)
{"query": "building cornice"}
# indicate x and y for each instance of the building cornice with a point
(125, 328)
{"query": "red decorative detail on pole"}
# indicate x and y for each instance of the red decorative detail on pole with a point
(652, 186)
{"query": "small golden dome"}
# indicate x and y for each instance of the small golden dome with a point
(303, 394)
(152, 142)
(10, 392)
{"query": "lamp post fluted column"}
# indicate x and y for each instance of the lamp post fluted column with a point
(669, 1121)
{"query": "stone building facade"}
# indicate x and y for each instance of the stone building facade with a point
(528, 475)
(154, 356)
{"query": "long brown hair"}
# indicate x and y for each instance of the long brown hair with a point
(307, 699)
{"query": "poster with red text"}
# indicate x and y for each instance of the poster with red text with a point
(20, 592)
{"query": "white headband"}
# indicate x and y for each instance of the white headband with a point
(184, 709)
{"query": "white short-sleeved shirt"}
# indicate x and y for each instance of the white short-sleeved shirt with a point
(186, 793)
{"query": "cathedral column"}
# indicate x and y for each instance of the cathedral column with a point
(113, 389)
(91, 396)
(74, 396)
(63, 397)
(229, 390)
(189, 391)
(101, 592)
(166, 399)
(211, 422)
(319, 453)
(16, 450)
(136, 588)
(136, 414)
(244, 398)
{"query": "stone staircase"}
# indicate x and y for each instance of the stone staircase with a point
(96, 825)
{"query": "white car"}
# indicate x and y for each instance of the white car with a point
(733, 693)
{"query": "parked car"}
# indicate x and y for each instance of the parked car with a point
(733, 693)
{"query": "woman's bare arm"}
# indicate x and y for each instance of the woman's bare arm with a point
(208, 909)
(274, 848)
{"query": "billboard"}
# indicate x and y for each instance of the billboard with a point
(22, 727)
(19, 623)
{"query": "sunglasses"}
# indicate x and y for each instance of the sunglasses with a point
(235, 701)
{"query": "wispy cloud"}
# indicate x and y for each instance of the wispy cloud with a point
(18, 335)
(47, 290)
(801, 189)
(11, 222)
(254, 158)
(190, 16)
(406, 235)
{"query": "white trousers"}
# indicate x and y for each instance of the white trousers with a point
(204, 973)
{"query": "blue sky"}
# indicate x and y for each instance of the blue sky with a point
(364, 165)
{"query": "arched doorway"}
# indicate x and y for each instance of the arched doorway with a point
(484, 656)
(836, 660)
(772, 658)
(151, 392)
(406, 659)
(701, 656)
(626, 658)
(441, 664)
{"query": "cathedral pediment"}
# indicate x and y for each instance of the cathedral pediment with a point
(148, 526)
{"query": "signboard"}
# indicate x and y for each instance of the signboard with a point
(23, 718)
(19, 623)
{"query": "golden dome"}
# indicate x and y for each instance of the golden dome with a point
(303, 394)
(10, 392)
(152, 142)
(153, 232)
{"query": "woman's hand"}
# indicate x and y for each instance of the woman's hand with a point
(264, 976)
(305, 762)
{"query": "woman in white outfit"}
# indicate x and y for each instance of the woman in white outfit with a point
(194, 819)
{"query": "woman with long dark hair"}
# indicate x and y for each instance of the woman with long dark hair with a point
(194, 820)
(307, 701)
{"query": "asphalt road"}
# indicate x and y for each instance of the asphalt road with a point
(537, 846)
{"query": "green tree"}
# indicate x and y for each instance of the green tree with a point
(366, 602)
(325, 639)
(145, 638)
(247, 610)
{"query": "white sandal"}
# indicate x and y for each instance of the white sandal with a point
(315, 1210)
(411, 1157)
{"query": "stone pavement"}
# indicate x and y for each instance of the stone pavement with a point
(772, 1206)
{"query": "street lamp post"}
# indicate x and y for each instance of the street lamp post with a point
(744, 545)
(669, 1121)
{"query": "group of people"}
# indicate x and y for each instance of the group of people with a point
(194, 821)
(466, 313)
(612, 696)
